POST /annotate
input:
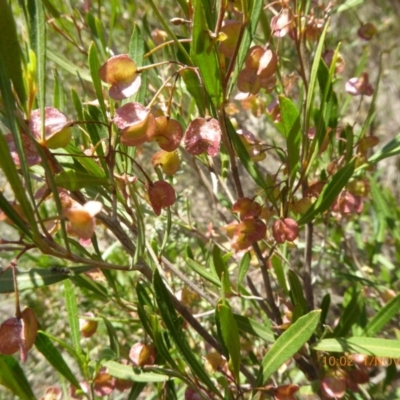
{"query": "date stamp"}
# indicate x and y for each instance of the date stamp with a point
(368, 361)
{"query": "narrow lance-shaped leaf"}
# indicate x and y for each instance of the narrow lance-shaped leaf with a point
(390, 149)
(173, 325)
(74, 180)
(221, 269)
(254, 328)
(94, 67)
(287, 345)
(244, 157)
(383, 316)
(72, 309)
(211, 277)
(244, 266)
(313, 76)
(10, 50)
(350, 315)
(6, 161)
(127, 372)
(204, 54)
(54, 357)
(362, 345)
(32, 279)
(329, 193)
(230, 335)
(292, 128)
(12, 377)
(112, 334)
(297, 295)
(136, 46)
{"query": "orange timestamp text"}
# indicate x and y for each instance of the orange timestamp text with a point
(368, 361)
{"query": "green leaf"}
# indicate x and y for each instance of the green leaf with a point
(329, 193)
(244, 157)
(72, 309)
(313, 76)
(292, 131)
(89, 284)
(74, 180)
(287, 345)
(173, 325)
(10, 50)
(6, 162)
(326, 115)
(59, 93)
(254, 328)
(160, 343)
(277, 265)
(40, 50)
(112, 335)
(349, 4)
(133, 374)
(220, 268)
(325, 303)
(144, 309)
(383, 317)
(54, 357)
(361, 345)
(34, 278)
(204, 55)
(244, 266)
(94, 67)
(230, 336)
(195, 89)
(97, 31)
(211, 277)
(68, 66)
(12, 215)
(12, 377)
(350, 314)
(136, 390)
(297, 296)
(390, 149)
(136, 46)
(87, 163)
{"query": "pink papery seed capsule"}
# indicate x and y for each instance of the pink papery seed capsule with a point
(285, 229)
(334, 387)
(282, 23)
(88, 327)
(104, 383)
(52, 393)
(169, 161)
(121, 73)
(19, 333)
(367, 31)
(136, 123)
(359, 86)
(161, 195)
(168, 133)
(191, 394)
(57, 128)
(203, 135)
(142, 354)
(247, 208)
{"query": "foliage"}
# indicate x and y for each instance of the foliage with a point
(194, 211)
